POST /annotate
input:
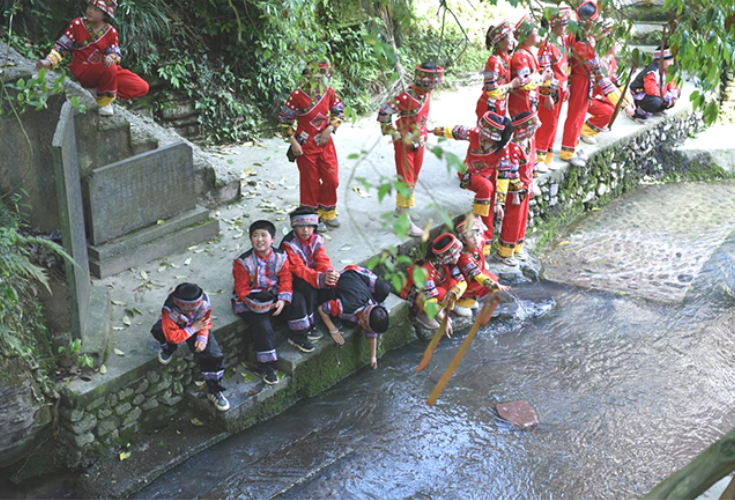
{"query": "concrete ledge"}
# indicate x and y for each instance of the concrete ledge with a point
(97, 328)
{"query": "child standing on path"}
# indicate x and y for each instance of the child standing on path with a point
(409, 133)
(186, 317)
(552, 53)
(262, 289)
(357, 298)
(312, 271)
(318, 113)
(496, 75)
(95, 49)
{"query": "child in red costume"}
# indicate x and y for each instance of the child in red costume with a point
(492, 167)
(472, 263)
(95, 49)
(525, 67)
(513, 232)
(318, 113)
(602, 106)
(444, 282)
(646, 87)
(409, 133)
(553, 54)
(496, 75)
(586, 69)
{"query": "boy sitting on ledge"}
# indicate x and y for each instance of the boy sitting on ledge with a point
(357, 298)
(262, 289)
(186, 318)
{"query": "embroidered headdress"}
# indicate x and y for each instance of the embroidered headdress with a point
(492, 126)
(445, 248)
(106, 6)
(428, 76)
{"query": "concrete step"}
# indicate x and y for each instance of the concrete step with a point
(280, 472)
(251, 400)
(151, 243)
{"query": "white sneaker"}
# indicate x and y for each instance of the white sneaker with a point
(508, 261)
(577, 162)
(464, 312)
(542, 167)
(588, 139)
(106, 110)
(522, 255)
(582, 155)
(429, 323)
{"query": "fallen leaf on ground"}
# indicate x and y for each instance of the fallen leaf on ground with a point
(360, 192)
(118, 352)
(117, 303)
(124, 455)
(187, 261)
(126, 321)
(103, 369)
(144, 275)
(563, 243)
(197, 422)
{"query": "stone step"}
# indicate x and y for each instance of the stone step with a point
(106, 261)
(251, 400)
(280, 472)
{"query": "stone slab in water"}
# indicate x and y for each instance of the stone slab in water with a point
(651, 244)
(519, 413)
(137, 192)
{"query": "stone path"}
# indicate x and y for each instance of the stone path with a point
(651, 244)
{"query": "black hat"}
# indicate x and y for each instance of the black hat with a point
(188, 292)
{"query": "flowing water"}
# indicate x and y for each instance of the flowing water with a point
(626, 390)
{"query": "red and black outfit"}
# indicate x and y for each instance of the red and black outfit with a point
(88, 49)
(318, 167)
(495, 85)
(646, 90)
(552, 54)
(309, 264)
(513, 231)
(175, 327)
(524, 65)
(412, 108)
(357, 292)
(259, 283)
(474, 268)
(586, 70)
(441, 279)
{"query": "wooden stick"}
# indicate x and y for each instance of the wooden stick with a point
(619, 105)
(482, 319)
(435, 340)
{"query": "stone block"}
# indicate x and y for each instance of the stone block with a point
(134, 193)
(153, 376)
(170, 400)
(124, 394)
(123, 408)
(96, 404)
(112, 436)
(106, 426)
(112, 400)
(177, 388)
(142, 387)
(138, 400)
(83, 440)
(86, 424)
(104, 413)
(131, 417)
(159, 386)
(72, 414)
(150, 404)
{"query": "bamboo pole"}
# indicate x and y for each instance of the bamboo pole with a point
(700, 474)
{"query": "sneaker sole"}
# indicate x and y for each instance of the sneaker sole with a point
(165, 362)
(300, 348)
(268, 381)
(219, 408)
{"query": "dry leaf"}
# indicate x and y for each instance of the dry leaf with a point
(124, 455)
(117, 303)
(187, 261)
(118, 328)
(144, 275)
(118, 352)
(103, 369)
(197, 422)
(126, 321)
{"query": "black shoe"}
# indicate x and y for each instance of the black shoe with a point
(268, 374)
(164, 358)
(302, 345)
(314, 335)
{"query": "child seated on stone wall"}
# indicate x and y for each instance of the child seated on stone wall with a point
(444, 284)
(473, 265)
(312, 271)
(262, 290)
(357, 298)
(186, 318)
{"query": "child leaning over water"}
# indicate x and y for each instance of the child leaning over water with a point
(357, 298)
(93, 43)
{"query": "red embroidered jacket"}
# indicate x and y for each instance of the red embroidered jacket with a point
(307, 260)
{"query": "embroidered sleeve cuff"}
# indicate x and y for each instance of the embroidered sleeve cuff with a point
(335, 123)
(55, 57)
(320, 280)
(387, 128)
(188, 331)
(287, 130)
(202, 338)
(286, 297)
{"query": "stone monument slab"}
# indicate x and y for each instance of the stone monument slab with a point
(137, 192)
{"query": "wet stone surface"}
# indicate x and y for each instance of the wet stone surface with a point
(651, 244)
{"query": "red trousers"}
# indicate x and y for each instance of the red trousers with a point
(513, 231)
(319, 177)
(576, 112)
(546, 134)
(474, 290)
(110, 81)
(408, 162)
(601, 110)
(484, 205)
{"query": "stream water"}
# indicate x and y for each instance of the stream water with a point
(626, 390)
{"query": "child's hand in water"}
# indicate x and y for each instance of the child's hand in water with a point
(373, 362)
(503, 288)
